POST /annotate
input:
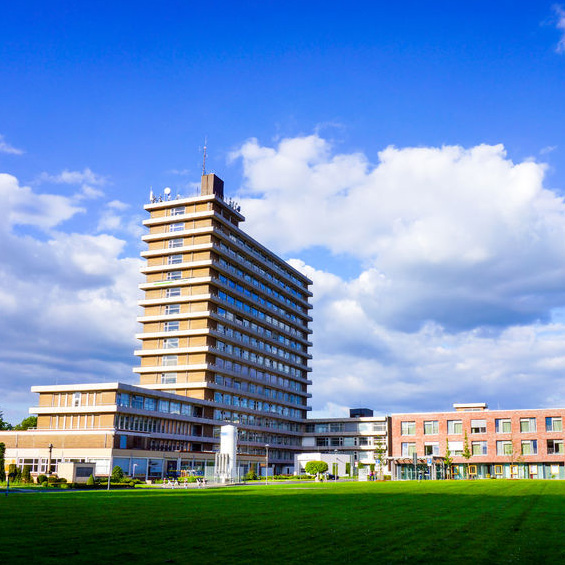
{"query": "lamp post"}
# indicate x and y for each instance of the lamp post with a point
(49, 460)
(133, 472)
(267, 464)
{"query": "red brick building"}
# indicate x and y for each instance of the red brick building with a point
(501, 443)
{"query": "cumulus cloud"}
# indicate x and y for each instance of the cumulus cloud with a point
(5, 147)
(461, 255)
(68, 300)
(21, 206)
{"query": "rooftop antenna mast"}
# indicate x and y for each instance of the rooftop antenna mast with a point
(204, 157)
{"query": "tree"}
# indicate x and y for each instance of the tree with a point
(90, 481)
(466, 454)
(316, 467)
(448, 459)
(3, 424)
(26, 474)
(380, 454)
(117, 474)
(27, 423)
(2, 463)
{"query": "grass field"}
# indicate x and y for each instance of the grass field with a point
(445, 521)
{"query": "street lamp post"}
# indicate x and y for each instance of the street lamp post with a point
(49, 460)
(267, 464)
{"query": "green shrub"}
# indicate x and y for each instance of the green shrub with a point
(251, 475)
(91, 482)
(41, 479)
(117, 474)
(26, 474)
(44, 484)
(348, 468)
(65, 485)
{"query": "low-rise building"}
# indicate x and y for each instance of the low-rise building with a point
(500, 443)
(358, 438)
(145, 432)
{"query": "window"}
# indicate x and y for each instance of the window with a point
(479, 448)
(174, 259)
(170, 360)
(176, 227)
(175, 407)
(498, 469)
(174, 275)
(173, 291)
(137, 401)
(527, 425)
(163, 405)
(431, 427)
(172, 309)
(176, 242)
(555, 446)
(478, 426)
(177, 211)
(529, 447)
(407, 428)
(408, 449)
(122, 399)
(503, 425)
(504, 448)
(150, 404)
(553, 424)
(168, 378)
(472, 469)
(431, 449)
(76, 398)
(171, 343)
(454, 427)
(171, 326)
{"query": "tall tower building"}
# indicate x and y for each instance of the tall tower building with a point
(226, 321)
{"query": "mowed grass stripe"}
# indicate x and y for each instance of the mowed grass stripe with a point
(461, 522)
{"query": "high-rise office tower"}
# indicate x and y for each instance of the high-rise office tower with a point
(226, 321)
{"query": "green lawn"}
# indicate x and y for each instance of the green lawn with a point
(451, 522)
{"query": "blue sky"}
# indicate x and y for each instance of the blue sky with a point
(408, 157)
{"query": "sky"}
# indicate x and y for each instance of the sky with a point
(408, 157)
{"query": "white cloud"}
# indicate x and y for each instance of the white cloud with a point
(74, 177)
(114, 219)
(462, 255)
(68, 300)
(560, 25)
(5, 147)
(21, 206)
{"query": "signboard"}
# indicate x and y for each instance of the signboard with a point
(429, 461)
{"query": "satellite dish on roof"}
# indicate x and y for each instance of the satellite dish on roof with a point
(167, 191)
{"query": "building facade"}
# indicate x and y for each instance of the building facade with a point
(225, 320)
(500, 443)
(360, 439)
(149, 434)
